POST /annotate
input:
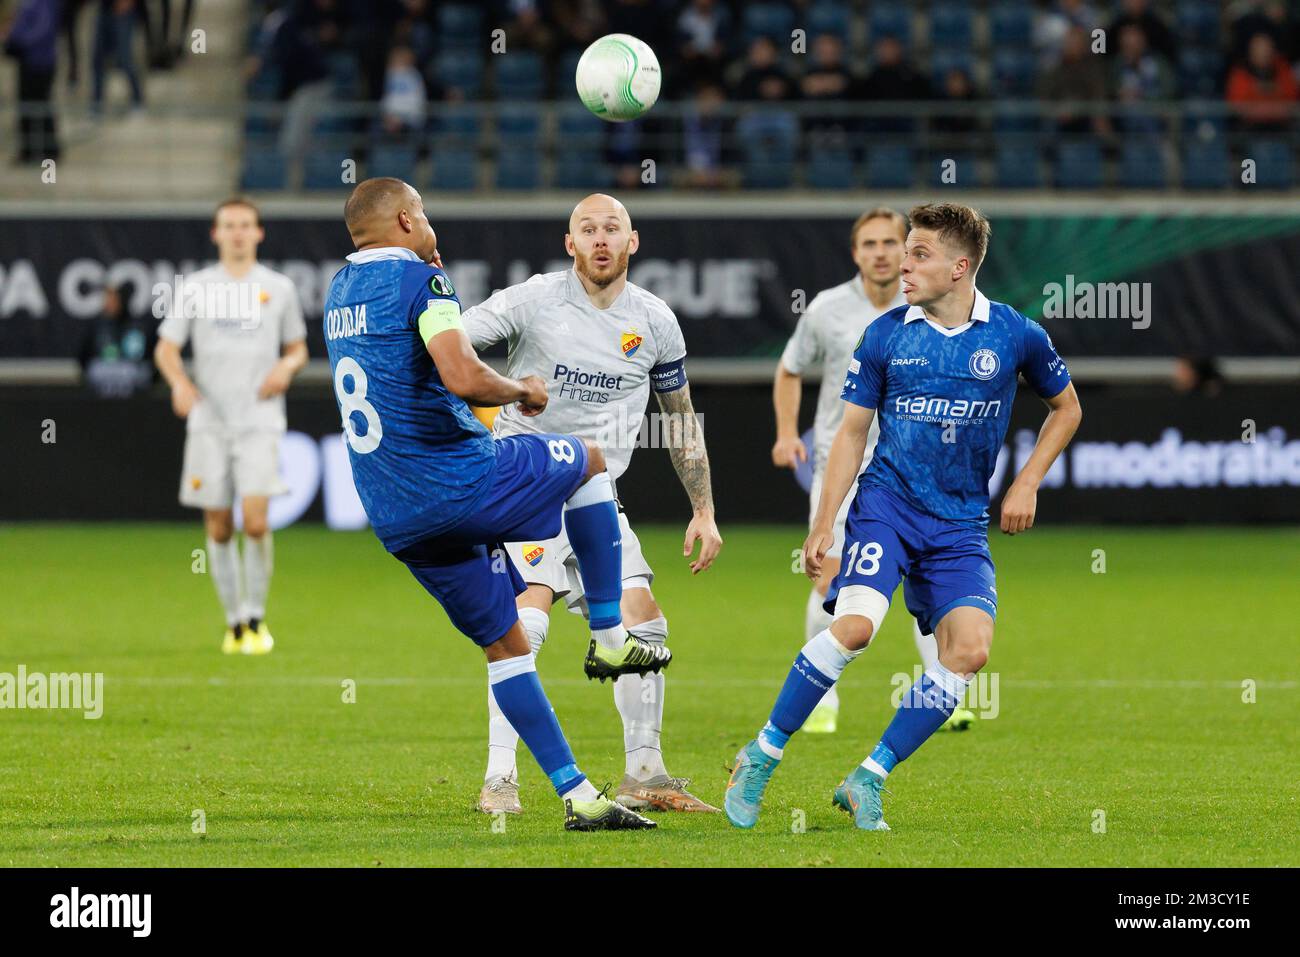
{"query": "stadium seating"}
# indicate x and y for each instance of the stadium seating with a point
(460, 26)
(1018, 164)
(774, 20)
(1205, 165)
(518, 170)
(1079, 165)
(1013, 72)
(890, 166)
(264, 169)
(462, 70)
(890, 20)
(388, 160)
(454, 169)
(951, 25)
(1011, 24)
(828, 16)
(830, 169)
(1274, 163)
(519, 76)
(322, 168)
(1142, 164)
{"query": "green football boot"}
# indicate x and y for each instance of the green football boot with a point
(602, 814)
(636, 657)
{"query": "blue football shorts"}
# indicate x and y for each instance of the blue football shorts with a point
(944, 565)
(466, 568)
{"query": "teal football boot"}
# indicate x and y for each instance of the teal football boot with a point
(859, 795)
(745, 788)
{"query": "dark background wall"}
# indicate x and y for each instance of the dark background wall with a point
(1143, 454)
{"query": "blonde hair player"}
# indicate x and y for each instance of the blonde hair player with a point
(941, 373)
(824, 339)
(244, 325)
(603, 345)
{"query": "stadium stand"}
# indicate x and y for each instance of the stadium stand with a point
(990, 80)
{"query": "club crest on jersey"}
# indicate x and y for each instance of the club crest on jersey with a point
(984, 364)
(441, 286)
(630, 343)
(533, 554)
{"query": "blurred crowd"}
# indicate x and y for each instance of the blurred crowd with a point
(43, 35)
(404, 55)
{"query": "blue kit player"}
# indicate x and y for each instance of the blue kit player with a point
(941, 375)
(442, 495)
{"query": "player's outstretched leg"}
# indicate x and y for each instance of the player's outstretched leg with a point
(591, 520)
(964, 636)
(815, 670)
(512, 674)
(500, 792)
(927, 646)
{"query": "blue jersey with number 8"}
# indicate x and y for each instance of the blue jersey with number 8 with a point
(420, 459)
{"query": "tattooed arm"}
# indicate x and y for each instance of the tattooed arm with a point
(691, 460)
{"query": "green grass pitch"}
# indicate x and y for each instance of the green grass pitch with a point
(1119, 694)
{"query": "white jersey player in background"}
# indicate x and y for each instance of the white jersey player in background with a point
(825, 337)
(246, 331)
(602, 344)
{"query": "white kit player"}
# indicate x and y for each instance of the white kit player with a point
(602, 344)
(245, 328)
(825, 337)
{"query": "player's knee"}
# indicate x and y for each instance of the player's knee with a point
(220, 525)
(255, 526)
(595, 458)
(853, 631)
(970, 647)
(859, 610)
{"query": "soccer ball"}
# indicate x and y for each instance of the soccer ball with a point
(618, 77)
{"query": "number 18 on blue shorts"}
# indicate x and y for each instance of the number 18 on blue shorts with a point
(945, 565)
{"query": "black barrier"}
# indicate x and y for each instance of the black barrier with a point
(1143, 455)
(1103, 286)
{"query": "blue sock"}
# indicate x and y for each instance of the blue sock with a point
(520, 696)
(591, 519)
(923, 710)
(803, 689)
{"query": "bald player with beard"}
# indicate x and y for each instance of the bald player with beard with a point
(601, 344)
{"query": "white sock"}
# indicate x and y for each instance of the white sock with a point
(817, 619)
(503, 741)
(926, 646)
(875, 768)
(258, 562)
(830, 658)
(223, 566)
(612, 638)
(581, 792)
(640, 704)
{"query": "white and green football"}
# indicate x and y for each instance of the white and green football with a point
(618, 77)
